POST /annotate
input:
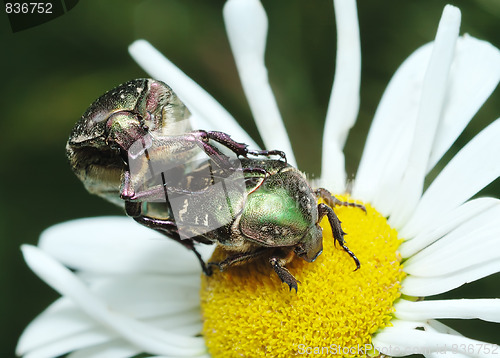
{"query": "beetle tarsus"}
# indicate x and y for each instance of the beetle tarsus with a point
(332, 201)
(268, 153)
(240, 149)
(283, 273)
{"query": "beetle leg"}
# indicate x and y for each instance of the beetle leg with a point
(338, 233)
(128, 193)
(202, 139)
(148, 156)
(158, 146)
(278, 263)
(237, 258)
(332, 201)
(156, 193)
(239, 149)
(166, 227)
(268, 153)
(160, 192)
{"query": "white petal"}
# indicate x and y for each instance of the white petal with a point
(98, 341)
(202, 356)
(334, 177)
(474, 74)
(116, 245)
(485, 309)
(436, 326)
(393, 134)
(474, 167)
(428, 286)
(434, 89)
(440, 327)
(147, 337)
(429, 326)
(246, 26)
(113, 349)
(144, 296)
(399, 342)
(344, 100)
(389, 138)
(454, 252)
(445, 354)
(431, 233)
(199, 102)
(61, 319)
(116, 348)
(69, 344)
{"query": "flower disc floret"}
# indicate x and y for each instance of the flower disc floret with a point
(249, 312)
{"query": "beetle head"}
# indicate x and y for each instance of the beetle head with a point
(311, 245)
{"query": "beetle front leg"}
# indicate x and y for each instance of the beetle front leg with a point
(338, 233)
(278, 262)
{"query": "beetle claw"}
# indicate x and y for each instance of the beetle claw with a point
(284, 275)
(293, 285)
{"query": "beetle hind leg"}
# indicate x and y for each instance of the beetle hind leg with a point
(239, 148)
(165, 227)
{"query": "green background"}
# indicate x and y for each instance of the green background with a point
(51, 73)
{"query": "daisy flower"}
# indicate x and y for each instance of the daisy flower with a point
(126, 290)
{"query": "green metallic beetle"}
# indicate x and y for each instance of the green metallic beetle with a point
(134, 146)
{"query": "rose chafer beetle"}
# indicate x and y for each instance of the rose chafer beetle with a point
(135, 147)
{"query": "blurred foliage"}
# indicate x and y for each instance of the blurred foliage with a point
(51, 73)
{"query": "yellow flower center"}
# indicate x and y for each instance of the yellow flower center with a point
(249, 312)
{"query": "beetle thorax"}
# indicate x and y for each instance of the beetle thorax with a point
(281, 211)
